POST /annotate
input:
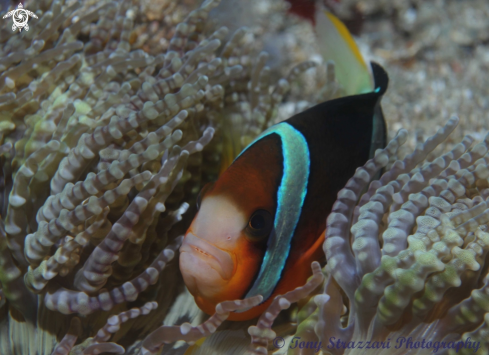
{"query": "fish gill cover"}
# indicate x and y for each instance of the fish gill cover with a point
(106, 125)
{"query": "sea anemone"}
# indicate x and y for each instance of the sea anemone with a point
(407, 260)
(103, 148)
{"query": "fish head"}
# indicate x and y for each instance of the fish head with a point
(224, 246)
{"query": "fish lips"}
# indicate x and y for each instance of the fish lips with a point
(216, 258)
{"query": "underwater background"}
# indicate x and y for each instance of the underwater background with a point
(114, 115)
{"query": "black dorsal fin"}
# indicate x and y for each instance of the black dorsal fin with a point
(340, 134)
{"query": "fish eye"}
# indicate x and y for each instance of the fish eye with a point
(260, 225)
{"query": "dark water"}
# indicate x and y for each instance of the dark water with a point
(5, 4)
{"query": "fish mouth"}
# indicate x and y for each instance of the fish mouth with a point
(216, 258)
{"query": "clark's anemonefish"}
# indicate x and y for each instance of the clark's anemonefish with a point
(262, 223)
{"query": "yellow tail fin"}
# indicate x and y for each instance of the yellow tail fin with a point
(337, 44)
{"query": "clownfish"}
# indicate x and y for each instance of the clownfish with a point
(262, 223)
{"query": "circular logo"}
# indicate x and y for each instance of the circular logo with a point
(20, 17)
